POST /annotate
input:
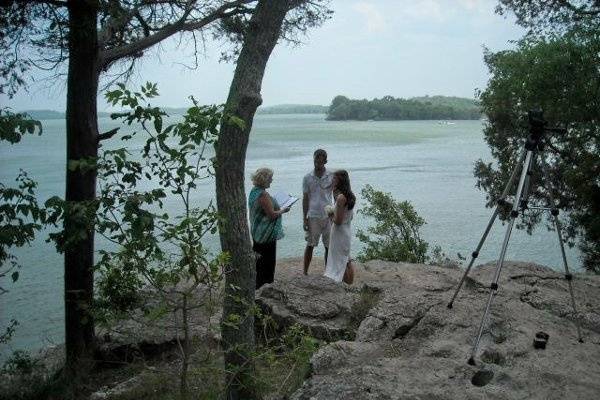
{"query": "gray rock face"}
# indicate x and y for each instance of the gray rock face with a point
(407, 344)
(315, 302)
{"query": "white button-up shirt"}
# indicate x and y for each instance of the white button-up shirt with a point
(319, 192)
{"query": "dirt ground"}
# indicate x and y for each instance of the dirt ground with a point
(291, 267)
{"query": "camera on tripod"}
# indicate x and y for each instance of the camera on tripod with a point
(537, 128)
(533, 151)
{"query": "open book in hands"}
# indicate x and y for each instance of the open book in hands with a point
(284, 200)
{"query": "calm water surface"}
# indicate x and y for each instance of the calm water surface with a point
(427, 163)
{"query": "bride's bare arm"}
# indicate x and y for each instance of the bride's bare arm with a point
(340, 209)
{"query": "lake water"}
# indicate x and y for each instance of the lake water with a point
(427, 163)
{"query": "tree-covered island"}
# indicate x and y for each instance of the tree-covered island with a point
(391, 108)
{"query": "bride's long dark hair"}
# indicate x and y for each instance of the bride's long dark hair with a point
(343, 187)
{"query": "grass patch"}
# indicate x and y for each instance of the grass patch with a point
(283, 366)
(369, 297)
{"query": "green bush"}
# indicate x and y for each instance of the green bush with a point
(560, 76)
(395, 235)
(21, 217)
(19, 362)
(24, 378)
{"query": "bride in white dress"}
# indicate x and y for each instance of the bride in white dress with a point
(339, 265)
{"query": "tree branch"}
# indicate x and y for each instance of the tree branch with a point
(107, 57)
(120, 17)
(143, 23)
(107, 135)
(57, 3)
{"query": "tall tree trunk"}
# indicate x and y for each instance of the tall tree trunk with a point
(82, 142)
(243, 100)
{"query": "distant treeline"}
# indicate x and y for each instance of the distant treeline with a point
(51, 114)
(277, 109)
(391, 108)
(293, 109)
(343, 108)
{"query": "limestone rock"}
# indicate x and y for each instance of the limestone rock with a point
(406, 344)
(314, 302)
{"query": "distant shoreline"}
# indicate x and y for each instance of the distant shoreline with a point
(277, 109)
(441, 121)
(388, 108)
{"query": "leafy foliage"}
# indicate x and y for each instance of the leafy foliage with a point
(154, 246)
(14, 126)
(543, 16)
(390, 108)
(396, 230)
(20, 218)
(458, 103)
(19, 362)
(157, 252)
(560, 75)
(25, 377)
(20, 215)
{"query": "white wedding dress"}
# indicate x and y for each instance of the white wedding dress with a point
(339, 248)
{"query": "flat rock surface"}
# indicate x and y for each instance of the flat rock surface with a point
(391, 335)
(314, 301)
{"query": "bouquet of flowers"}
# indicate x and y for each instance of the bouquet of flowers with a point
(329, 209)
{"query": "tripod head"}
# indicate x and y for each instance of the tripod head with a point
(537, 129)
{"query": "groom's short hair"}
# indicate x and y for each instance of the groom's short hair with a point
(320, 153)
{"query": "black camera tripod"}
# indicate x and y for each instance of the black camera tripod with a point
(534, 147)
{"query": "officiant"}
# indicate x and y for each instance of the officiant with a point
(265, 225)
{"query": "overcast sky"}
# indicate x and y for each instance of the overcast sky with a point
(370, 48)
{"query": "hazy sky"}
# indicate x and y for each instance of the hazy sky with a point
(370, 48)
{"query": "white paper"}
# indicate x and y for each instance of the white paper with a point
(284, 200)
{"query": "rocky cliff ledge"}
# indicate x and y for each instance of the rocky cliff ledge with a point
(391, 335)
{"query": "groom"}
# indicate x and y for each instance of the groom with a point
(316, 189)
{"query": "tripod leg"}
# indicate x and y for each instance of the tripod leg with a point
(475, 254)
(568, 275)
(494, 285)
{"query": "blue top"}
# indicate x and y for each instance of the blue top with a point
(263, 228)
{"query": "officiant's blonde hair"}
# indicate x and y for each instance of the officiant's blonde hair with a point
(261, 177)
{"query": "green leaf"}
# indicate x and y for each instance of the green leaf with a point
(158, 124)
